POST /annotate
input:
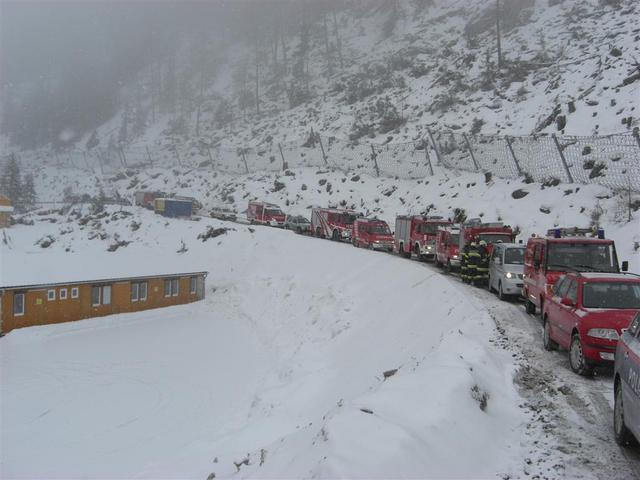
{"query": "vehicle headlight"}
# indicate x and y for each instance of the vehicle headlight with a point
(455, 256)
(428, 247)
(606, 333)
(509, 275)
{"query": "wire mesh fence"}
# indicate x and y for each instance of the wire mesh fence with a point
(610, 160)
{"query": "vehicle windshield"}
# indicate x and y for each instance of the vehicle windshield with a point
(300, 220)
(273, 211)
(597, 257)
(430, 228)
(347, 218)
(514, 256)
(611, 295)
(380, 229)
(495, 237)
(455, 239)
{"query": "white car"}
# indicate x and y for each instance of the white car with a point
(506, 269)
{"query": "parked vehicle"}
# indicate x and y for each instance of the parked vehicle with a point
(196, 206)
(417, 234)
(332, 223)
(372, 233)
(265, 214)
(586, 314)
(172, 207)
(474, 230)
(223, 213)
(298, 224)
(564, 250)
(506, 269)
(626, 385)
(146, 199)
(448, 247)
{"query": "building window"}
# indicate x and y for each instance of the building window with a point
(95, 296)
(51, 295)
(63, 294)
(171, 287)
(192, 285)
(74, 292)
(138, 291)
(101, 295)
(18, 304)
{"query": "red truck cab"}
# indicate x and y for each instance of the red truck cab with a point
(561, 251)
(417, 234)
(474, 230)
(265, 214)
(372, 233)
(333, 223)
(448, 247)
(586, 313)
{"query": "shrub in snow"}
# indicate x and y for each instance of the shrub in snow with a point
(212, 232)
(46, 241)
(517, 194)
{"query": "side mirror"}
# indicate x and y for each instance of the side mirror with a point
(625, 266)
(567, 302)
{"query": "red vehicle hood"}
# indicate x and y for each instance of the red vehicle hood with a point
(382, 238)
(607, 318)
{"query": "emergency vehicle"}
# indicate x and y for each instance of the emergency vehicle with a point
(333, 223)
(448, 247)
(265, 214)
(372, 233)
(474, 230)
(417, 234)
(561, 251)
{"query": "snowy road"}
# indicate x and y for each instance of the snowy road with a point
(574, 415)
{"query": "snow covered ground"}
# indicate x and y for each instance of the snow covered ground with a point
(282, 364)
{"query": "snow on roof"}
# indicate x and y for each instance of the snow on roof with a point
(608, 276)
(4, 208)
(33, 269)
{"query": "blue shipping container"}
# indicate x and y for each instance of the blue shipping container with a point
(177, 208)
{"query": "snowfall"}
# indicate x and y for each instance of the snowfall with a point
(307, 358)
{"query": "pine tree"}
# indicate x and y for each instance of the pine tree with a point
(10, 184)
(28, 192)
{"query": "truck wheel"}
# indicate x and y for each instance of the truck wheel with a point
(298, 230)
(547, 342)
(439, 264)
(621, 432)
(447, 267)
(577, 361)
(530, 307)
(318, 232)
(335, 235)
(403, 253)
(416, 251)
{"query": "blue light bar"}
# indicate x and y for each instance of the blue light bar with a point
(601, 233)
(557, 233)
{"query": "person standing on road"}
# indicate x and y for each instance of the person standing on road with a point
(473, 261)
(464, 259)
(482, 275)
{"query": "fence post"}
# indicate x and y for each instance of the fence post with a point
(324, 156)
(375, 160)
(637, 136)
(244, 159)
(284, 163)
(175, 149)
(84, 155)
(564, 160)
(426, 153)
(473, 157)
(99, 157)
(210, 157)
(513, 155)
(435, 147)
(124, 158)
(149, 155)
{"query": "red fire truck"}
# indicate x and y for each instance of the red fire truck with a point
(561, 251)
(372, 233)
(417, 234)
(332, 223)
(475, 231)
(265, 214)
(448, 247)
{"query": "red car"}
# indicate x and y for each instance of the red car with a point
(587, 313)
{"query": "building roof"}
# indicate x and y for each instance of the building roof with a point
(30, 270)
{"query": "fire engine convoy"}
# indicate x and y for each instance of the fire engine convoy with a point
(417, 234)
(561, 251)
(333, 223)
(373, 234)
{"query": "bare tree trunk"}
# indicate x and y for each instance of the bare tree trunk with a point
(326, 45)
(498, 35)
(257, 78)
(337, 35)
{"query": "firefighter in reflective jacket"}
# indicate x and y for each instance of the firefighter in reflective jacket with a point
(482, 273)
(464, 259)
(473, 261)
